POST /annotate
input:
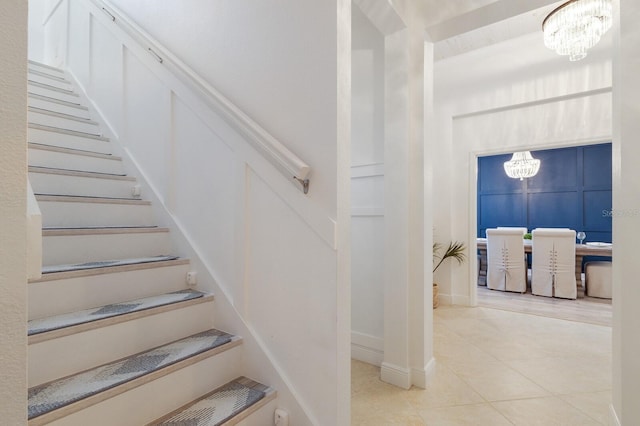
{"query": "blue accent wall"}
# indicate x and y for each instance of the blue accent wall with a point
(571, 190)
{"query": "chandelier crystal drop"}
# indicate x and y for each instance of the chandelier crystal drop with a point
(522, 165)
(576, 26)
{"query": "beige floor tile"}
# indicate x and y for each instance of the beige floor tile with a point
(499, 382)
(594, 404)
(549, 411)
(568, 375)
(445, 389)
(465, 415)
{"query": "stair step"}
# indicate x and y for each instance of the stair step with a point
(71, 182)
(53, 400)
(73, 246)
(63, 131)
(233, 401)
(54, 76)
(74, 124)
(51, 101)
(68, 288)
(54, 157)
(67, 116)
(35, 77)
(46, 67)
(55, 90)
(47, 135)
(93, 212)
(43, 328)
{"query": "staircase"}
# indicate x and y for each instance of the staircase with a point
(116, 335)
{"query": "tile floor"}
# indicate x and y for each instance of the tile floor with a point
(495, 367)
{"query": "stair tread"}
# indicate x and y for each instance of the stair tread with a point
(62, 115)
(52, 87)
(104, 264)
(57, 101)
(73, 151)
(39, 73)
(78, 173)
(54, 395)
(54, 129)
(43, 325)
(219, 406)
(42, 64)
(90, 199)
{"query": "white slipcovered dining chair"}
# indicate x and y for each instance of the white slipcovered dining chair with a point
(597, 279)
(553, 263)
(506, 269)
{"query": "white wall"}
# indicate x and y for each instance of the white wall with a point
(13, 207)
(514, 101)
(277, 260)
(367, 190)
(626, 220)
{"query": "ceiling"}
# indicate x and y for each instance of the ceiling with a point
(460, 26)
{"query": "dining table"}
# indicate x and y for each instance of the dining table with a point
(582, 250)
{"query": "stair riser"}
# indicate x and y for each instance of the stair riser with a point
(150, 401)
(61, 250)
(48, 298)
(52, 93)
(78, 215)
(47, 70)
(68, 141)
(63, 123)
(63, 109)
(44, 183)
(263, 416)
(50, 81)
(62, 160)
(52, 359)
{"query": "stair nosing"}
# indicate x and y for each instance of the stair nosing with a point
(52, 88)
(90, 199)
(69, 132)
(103, 270)
(89, 401)
(74, 232)
(62, 115)
(116, 319)
(72, 151)
(57, 101)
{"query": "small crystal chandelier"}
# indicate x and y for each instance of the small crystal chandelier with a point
(522, 165)
(576, 26)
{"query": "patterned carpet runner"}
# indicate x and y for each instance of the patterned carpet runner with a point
(102, 264)
(53, 395)
(88, 315)
(218, 406)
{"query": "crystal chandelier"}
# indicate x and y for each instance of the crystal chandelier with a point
(522, 165)
(576, 26)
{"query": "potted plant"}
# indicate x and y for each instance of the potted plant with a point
(455, 250)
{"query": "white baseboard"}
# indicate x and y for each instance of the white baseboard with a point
(613, 417)
(421, 376)
(454, 299)
(395, 375)
(367, 348)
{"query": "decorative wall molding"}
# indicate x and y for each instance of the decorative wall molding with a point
(367, 170)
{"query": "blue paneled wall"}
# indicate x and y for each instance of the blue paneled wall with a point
(571, 190)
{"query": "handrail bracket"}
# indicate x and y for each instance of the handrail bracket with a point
(304, 183)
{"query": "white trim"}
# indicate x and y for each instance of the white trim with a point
(613, 416)
(34, 236)
(272, 149)
(420, 377)
(395, 375)
(367, 348)
(54, 9)
(367, 170)
(367, 211)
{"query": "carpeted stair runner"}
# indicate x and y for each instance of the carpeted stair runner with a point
(56, 322)
(218, 406)
(92, 265)
(51, 396)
